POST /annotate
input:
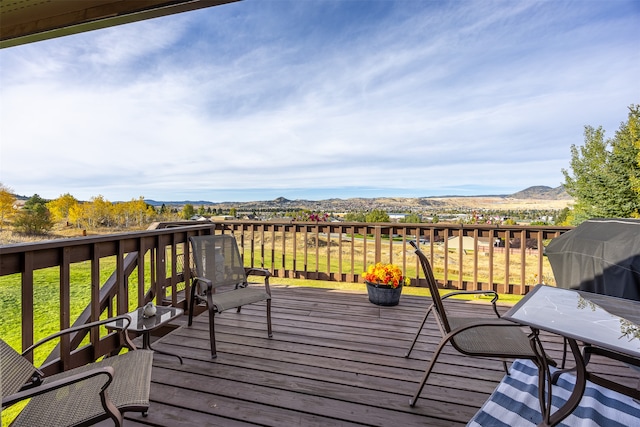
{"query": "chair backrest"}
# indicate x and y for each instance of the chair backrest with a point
(433, 287)
(15, 370)
(217, 259)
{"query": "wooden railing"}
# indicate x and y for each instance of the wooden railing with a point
(150, 265)
(508, 259)
(154, 258)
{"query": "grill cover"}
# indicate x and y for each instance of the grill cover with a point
(600, 256)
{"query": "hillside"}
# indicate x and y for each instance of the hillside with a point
(537, 197)
(542, 192)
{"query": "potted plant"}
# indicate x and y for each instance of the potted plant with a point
(384, 283)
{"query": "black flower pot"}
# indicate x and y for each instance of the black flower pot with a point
(383, 294)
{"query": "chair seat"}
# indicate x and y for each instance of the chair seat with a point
(507, 341)
(239, 297)
(80, 402)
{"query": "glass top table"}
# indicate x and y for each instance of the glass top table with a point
(608, 326)
(608, 322)
(144, 325)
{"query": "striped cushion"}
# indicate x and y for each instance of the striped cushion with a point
(515, 402)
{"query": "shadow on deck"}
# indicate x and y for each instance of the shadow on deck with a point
(335, 360)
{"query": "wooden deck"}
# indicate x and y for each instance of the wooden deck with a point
(334, 360)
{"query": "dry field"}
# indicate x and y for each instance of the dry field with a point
(500, 203)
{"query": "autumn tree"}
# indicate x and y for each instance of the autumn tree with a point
(34, 217)
(99, 212)
(7, 204)
(60, 207)
(604, 176)
(78, 214)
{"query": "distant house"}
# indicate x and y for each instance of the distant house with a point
(467, 243)
(396, 217)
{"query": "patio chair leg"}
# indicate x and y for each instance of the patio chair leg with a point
(111, 409)
(424, 320)
(432, 363)
(192, 302)
(269, 330)
(212, 334)
(212, 331)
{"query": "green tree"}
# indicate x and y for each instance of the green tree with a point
(188, 211)
(562, 217)
(412, 218)
(355, 217)
(34, 217)
(377, 215)
(233, 212)
(605, 173)
(7, 204)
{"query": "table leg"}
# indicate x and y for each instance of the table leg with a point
(545, 383)
(146, 343)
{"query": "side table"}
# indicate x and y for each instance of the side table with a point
(144, 325)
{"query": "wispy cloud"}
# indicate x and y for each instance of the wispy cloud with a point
(261, 99)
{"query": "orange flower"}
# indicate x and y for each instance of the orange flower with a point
(385, 274)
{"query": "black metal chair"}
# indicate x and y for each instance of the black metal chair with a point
(221, 280)
(80, 396)
(471, 336)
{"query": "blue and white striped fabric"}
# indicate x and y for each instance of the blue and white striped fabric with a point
(515, 403)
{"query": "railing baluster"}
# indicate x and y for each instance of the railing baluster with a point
(27, 302)
(65, 302)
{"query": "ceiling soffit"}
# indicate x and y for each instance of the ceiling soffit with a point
(28, 21)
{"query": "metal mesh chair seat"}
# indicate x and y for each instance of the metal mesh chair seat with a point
(81, 402)
(505, 340)
(472, 336)
(15, 369)
(221, 282)
(239, 297)
(80, 396)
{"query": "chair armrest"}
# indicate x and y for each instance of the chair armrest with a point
(73, 329)
(253, 271)
(204, 280)
(493, 300)
(107, 371)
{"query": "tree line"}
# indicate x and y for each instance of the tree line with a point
(39, 215)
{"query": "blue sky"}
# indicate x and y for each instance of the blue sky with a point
(316, 99)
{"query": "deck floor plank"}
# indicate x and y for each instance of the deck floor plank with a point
(334, 360)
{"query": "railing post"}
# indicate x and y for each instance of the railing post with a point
(377, 238)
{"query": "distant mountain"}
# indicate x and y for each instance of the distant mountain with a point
(542, 192)
(539, 192)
